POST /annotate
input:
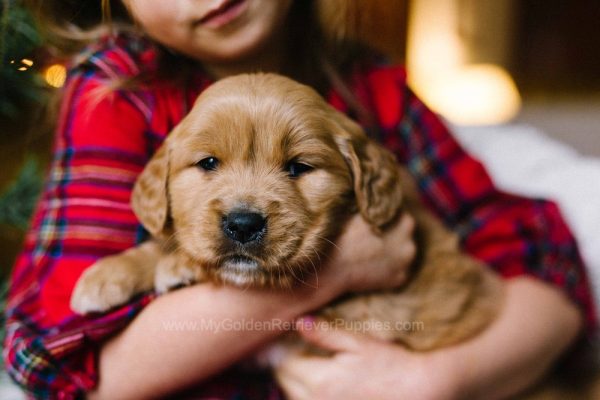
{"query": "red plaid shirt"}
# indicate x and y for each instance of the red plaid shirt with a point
(101, 147)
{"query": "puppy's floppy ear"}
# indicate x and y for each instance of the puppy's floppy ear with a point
(375, 172)
(149, 199)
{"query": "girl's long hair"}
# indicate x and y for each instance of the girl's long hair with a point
(321, 58)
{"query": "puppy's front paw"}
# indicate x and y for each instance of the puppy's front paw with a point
(173, 272)
(103, 286)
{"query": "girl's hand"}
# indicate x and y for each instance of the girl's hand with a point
(361, 368)
(363, 260)
(536, 325)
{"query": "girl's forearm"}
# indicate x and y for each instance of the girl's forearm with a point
(536, 325)
(190, 334)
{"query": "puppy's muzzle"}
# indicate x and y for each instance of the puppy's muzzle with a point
(244, 227)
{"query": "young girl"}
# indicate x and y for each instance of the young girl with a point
(127, 90)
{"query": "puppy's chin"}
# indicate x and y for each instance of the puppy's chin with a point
(240, 271)
(246, 272)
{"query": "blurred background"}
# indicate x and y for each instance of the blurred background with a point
(502, 72)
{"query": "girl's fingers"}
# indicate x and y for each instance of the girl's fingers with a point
(298, 374)
(294, 387)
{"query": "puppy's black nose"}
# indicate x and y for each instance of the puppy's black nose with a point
(244, 227)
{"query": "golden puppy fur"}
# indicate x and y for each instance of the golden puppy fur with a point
(267, 146)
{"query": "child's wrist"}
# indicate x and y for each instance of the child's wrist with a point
(309, 295)
(453, 376)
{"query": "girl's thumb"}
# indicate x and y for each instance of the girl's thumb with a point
(326, 335)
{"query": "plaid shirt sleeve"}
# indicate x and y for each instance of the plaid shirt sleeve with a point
(514, 235)
(84, 214)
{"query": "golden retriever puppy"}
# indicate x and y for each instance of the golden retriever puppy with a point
(251, 188)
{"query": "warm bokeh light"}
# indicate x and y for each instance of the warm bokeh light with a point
(473, 95)
(433, 44)
(25, 63)
(55, 75)
(442, 73)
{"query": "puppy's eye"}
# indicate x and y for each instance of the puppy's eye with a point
(295, 169)
(208, 163)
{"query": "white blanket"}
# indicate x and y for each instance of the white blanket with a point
(525, 161)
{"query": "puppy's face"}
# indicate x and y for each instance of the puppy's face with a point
(256, 180)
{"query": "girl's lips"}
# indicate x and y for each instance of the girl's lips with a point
(225, 13)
